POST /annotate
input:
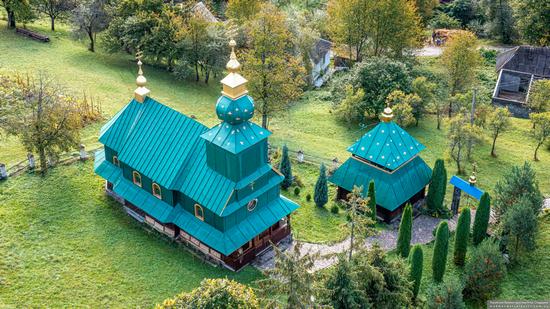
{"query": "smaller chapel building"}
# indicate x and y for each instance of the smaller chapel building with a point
(388, 155)
(211, 188)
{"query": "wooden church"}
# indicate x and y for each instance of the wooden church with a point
(388, 155)
(210, 188)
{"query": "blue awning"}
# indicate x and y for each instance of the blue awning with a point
(466, 187)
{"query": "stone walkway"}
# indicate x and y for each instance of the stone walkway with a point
(423, 227)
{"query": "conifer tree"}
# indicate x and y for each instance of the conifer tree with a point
(286, 169)
(372, 200)
(439, 261)
(438, 185)
(417, 261)
(320, 195)
(341, 286)
(405, 230)
(462, 236)
(481, 220)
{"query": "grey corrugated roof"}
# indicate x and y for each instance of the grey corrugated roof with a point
(320, 49)
(529, 59)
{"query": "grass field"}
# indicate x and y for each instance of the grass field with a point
(63, 241)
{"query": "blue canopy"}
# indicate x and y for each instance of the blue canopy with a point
(465, 186)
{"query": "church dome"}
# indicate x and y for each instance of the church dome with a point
(235, 111)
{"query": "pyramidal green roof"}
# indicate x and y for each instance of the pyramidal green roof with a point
(387, 145)
(236, 137)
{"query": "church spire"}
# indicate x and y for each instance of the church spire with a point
(234, 85)
(141, 91)
(387, 115)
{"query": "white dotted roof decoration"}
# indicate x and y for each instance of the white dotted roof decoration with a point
(241, 142)
(362, 148)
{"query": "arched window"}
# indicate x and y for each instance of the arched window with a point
(156, 191)
(136, 177)
(252, 204)
(115, 161)
(199, 212)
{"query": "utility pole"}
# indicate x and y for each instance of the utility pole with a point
(473, 112)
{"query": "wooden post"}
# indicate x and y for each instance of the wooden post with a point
(455, 204)
(300, 156)
(83, 153)
(32, 162)
(3, 172)
(335, 163)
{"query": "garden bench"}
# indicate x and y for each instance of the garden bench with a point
(32, 35)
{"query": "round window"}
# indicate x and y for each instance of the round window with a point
(252, 204)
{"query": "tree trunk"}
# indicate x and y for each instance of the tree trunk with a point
(493, 154)
(450, 108)
(43, 161)
(264, 121)
(438, 120)
(458, 167)
(92, 42)
(52, 23)
(11, 18)
(196, 72)
(351, 239)
(206, 76)
(536, 151)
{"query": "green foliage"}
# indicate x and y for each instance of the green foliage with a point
(444, 21)
(405, 232)
(417, 263)
(461, 59)
(541, 130)
(484, 272)
(425, 8)
(408, 108)
(286, 169)
(445, 295)
(441, 248)
(214, 293)
(308, 197)
(297, 191)
(538, 96)
(342, 286)
(348, 110)
(371, 195)
(462, 236)
(517, 182)
(519, 227)
(334, 209)
(498, 122)
(426, 91)
(359, 220)
(437, 188)
(320, 195)
(462, 10)
(243, 10)
(500, 20)
(462, 136)
(533, 21)
(90, 17)
(481, 220)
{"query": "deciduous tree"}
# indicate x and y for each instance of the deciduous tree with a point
(461, 135)
(541, 130)
(15, 9)
(243, 10)
(498, 122)
(359, 221)
(320, 195)
(533, 21)
(500, 19)
(348, 20)
(89, 18)
(426, 8)
(408, 108)
(441, 248)
(55, 9)
(405, 232)
(462, 236)
(539, 96)
(348, 110)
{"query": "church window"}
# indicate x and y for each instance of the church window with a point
(156, 191)
(136, 177)
(116, 161)
(199, 212)
(252, 204)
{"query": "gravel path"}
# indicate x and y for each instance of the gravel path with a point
(423, 227)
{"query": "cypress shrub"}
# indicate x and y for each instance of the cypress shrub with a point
(484, 272)
(438, 185)
(372, 200)
(481, 220)
(405, 232)
(439, 261)
(297, 191)
(286, 169)
(417, 261)
(320, 195)
(462, 236)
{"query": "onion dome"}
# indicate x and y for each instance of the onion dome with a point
(235, 111)
(141, 91)
(387, 115)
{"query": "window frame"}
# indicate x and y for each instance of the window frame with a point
(134, 174)
(156, 185)
(254, 202)
(197, 207)
(116, 161)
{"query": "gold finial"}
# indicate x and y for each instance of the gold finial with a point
(141, 92)
(473, 178)
(234, 85)
(387, 115)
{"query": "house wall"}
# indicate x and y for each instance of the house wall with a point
(242, 213)
(147, 184)
(236, 166)
(188, 204)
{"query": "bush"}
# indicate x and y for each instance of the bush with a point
(308, 197)
(519, 227)
(462, 236)
(483, 272)
(298, 181)
(481, 220)
(214, 293)
(446, 295)
(297, 191)
(443, 20)
(405, 232)
(417, 261)
(335, 209)
(441, 248)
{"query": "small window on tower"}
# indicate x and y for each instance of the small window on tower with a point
(115, 161)
(252, 204)
(156, 191)
(136, 178)
(199, 212)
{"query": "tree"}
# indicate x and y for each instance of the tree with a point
(55, 9)
(408, 108)
(426, 8)
(275, 75)
(500, 19)
(541, 129)
(460, 60)
(89, 18)
(441, 248)
(371, 195)
(286, 169)
(292, 278)
(425, 90)
(347, 21)
(520, 226)
(441, 20)
(516, 183)
(47, 122)
(359, 220)
(214, 293)
(483, 272)
(446, 295)
(533, 21)
(481, 220)
(462, 135)
(347, 109)
(15, 9)
(320, 195)
(538, 96)
(463, 10)
(437, 188)
(243, 10)
(341, 286)
(417, 262)
(405, 232)
(462, 236)
(498, 122)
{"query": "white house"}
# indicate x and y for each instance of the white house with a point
(320, 60)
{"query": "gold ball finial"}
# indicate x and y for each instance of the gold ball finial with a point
(233, 64)
(387, 115)
(141, 81)
(141, 92)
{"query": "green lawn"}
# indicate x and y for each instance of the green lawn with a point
(63, 241)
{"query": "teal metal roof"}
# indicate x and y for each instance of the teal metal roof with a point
(236, 138)
(387, 145)
(392, 189)
(235, 111)
(115, 132)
